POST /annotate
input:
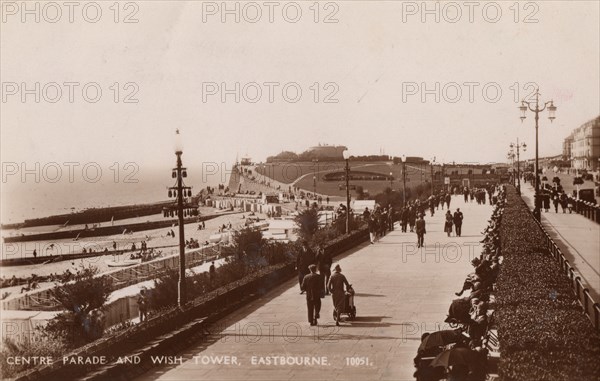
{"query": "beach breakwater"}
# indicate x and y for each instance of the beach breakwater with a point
(106, 230)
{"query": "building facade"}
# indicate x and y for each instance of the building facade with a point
(567, 144)
(585, 147)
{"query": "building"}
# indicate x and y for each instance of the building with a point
(327, 152)
(585, 147)
(567, 144)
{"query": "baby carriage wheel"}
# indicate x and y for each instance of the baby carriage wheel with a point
(353, 313)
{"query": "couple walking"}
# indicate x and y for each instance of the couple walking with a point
(455, 220)
(313, 285)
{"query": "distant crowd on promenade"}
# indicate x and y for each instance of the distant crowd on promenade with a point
(412, 216)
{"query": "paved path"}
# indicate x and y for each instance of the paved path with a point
(577, 237)
(401, 293)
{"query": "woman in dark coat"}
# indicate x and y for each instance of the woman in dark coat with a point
(448, 224)
(564, 201)
(546, 201)
(412, 217)
(338, 292)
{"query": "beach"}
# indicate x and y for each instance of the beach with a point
(153, 238)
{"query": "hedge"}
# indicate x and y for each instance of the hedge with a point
(543, 332)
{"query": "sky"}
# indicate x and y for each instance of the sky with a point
(364, 74)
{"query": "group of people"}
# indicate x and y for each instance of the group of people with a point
(192, 243)
(316, 285)
(380, 221)
(146, 256)
(558, 198)
(470, 313)
(32, 282)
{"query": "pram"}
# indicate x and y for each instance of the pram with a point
(349, 307)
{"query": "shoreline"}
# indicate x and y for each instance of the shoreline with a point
(92, 215)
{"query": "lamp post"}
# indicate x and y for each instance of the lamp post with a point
(511, 157)
(347, 159)
(535, 108)
(431, 167)
(180, 209)
(518, 147)
(403, 181)
(391, 181)
(316, 161)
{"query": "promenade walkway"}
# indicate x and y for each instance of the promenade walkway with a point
(401, 292)
(577, 237)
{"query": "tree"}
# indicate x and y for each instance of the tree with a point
(247, 241)
(307, 222)
(82, 299)
(360, 192)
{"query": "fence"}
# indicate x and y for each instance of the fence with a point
(43, 299)
(587, 209)
(590, 307)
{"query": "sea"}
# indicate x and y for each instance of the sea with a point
(26, 200)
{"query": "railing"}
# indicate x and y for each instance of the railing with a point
(590, 307)
(587, 209)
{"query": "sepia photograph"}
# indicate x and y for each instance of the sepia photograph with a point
(306, 190)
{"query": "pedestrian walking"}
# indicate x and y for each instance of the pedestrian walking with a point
(338, 284)
(546, 201)
(556, 201)
(421, 231)
(324, 263)
(305, 258)
(373, 228)
(449, 222)
(142, 303)
(564, 200)
(431, 204)
(458, 220)
(448, 199)
(313, 285)
(211, 272)
(412, 217)
(404, 219)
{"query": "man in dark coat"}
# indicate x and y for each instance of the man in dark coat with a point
(314, 287)
(404, 219)
(324, 262)
(305, 258)
(420, 228)
(458, 218)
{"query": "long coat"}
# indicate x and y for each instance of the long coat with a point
(338, 293)
(313, 285)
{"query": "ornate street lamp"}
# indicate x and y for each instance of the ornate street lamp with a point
(346, 154)
(431, 166)
(403, 181)
(535, 108)
(181, 208)
(518, 147)
(316, 161)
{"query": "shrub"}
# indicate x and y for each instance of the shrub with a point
(77, 325)
(308, 223)
(543, 332)
(41, 348)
